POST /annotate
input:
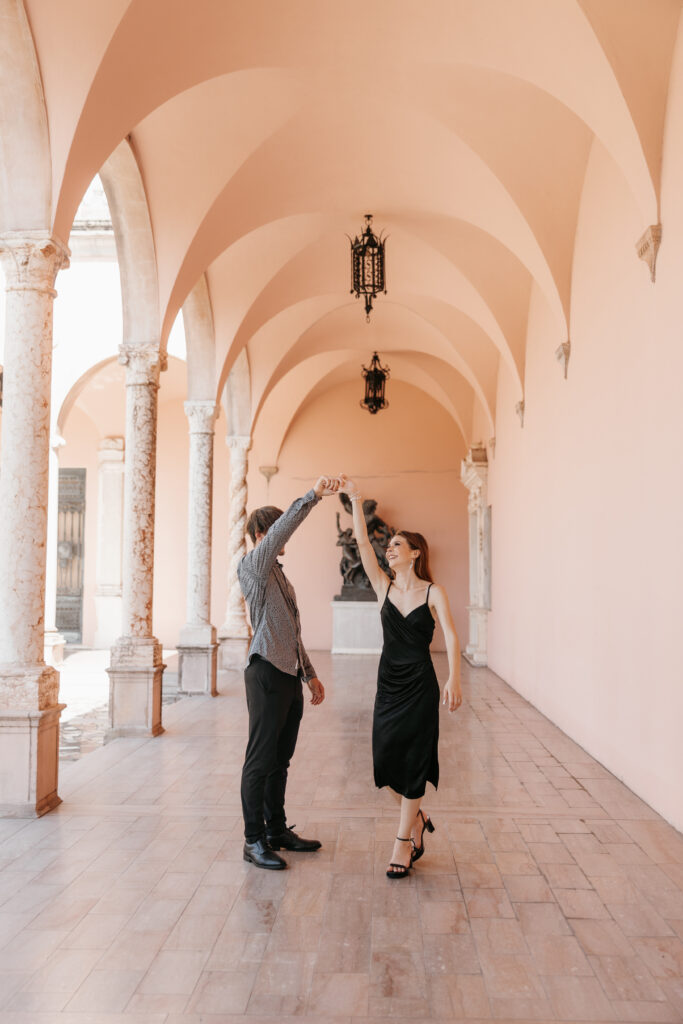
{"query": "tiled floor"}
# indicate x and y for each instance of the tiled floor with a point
(548, 891)
(84, 688)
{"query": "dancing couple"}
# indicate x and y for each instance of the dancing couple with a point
(405, 729)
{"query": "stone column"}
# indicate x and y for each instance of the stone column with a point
(235, 634)
(53, 640)
(473, 474)
(136, 668)
(29, 689)
(109, 575)
(197, 648)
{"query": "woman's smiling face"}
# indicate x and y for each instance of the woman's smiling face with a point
(399, 552)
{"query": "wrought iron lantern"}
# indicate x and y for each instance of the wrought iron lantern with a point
(367, 266)
(376, 377)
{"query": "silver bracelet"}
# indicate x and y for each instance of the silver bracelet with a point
(356, 497)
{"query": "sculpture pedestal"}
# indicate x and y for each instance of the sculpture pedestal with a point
(356, 627)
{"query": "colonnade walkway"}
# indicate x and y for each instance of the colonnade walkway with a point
(548, 891)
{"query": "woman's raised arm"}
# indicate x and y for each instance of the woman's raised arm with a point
(378, 578)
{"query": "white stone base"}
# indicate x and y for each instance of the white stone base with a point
(54, 644)
(108, 617)
(475, 658)
(476, 652)
(197, 668)
(232, 652)
(356, 627)
(135, 688)
(29, 761)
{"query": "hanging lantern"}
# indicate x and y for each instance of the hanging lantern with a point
(376, 377)
(367, 266)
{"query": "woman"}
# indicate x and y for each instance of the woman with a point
(405, 728)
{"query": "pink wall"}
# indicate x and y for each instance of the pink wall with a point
(587, 552)
(407, 457)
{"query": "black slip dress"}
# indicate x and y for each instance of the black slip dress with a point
(405, 727)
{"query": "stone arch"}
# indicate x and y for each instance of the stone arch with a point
(77, 389)
(25, 164)
(237, 398)
(295, 389)
(201, 343)
(125, 191)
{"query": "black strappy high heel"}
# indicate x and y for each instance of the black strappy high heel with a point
(419, 850)
(402, 870)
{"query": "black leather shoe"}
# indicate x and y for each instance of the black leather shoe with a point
(289, 840)
(260, 854)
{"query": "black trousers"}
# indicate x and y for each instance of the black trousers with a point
(276, 705)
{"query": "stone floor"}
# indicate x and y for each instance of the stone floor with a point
(84, 688)
(548, 891)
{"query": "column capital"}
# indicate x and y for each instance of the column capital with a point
(474, 474)
(56, 442)
(201, 416)
(111, 449)
(144, 363)
(240, 442)
(31, 260)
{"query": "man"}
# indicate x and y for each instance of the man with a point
(276, 667)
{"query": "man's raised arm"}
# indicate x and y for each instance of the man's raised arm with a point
(261, 559)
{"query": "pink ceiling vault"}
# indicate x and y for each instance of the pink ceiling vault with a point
(263, 132)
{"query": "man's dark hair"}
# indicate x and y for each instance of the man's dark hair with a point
(261, 520)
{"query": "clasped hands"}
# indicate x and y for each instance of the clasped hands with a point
(325, 485)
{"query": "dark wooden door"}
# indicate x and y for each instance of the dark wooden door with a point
(70, 554)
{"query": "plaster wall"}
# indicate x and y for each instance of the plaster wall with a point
(587, 497)
(406, 457)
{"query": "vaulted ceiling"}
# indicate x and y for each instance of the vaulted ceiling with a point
(264, 131)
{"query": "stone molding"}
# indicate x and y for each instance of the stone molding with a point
(647, 247)
(137, 652)
(143, 364)
(29, 687)
(201, 416)
(474, 475)
(31, 261)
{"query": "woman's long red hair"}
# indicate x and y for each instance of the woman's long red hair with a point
(416, 542)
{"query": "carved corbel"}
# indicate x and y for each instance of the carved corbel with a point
(647, 247)
(268, 472)
(562, 353)
(519, 409)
